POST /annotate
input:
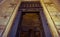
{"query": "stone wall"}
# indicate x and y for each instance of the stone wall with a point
(57, 3)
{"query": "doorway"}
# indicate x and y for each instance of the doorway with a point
(31, 25)
(30, 21)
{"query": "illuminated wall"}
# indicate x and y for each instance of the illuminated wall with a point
(57, 3)
(7, 9)
(46, 1)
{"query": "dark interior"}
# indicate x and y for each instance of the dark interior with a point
(30, 25)
(30, 21)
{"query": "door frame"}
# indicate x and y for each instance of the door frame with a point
(18, 17)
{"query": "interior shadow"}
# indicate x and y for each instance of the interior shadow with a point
(30, 25)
